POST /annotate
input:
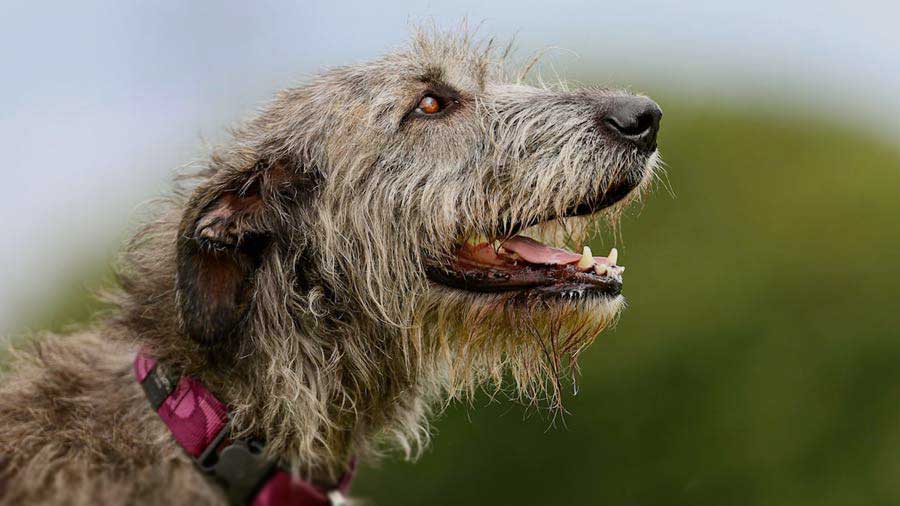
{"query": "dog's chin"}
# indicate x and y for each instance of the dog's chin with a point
(533, 338)
(589, 311)
(537, 309)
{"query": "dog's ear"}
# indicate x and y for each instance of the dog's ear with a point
(226, 229)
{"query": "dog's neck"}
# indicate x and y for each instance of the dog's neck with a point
(316, 401)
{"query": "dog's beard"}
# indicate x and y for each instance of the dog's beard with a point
(521, 344)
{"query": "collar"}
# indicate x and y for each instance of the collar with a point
(200, 423)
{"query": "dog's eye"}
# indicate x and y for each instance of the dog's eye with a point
(429, 105)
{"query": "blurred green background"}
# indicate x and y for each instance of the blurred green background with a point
(758, 362)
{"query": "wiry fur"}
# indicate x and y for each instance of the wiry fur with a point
(307, 236)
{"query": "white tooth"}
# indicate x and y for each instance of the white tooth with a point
(613, 256)
(600, 269)
(587, 259)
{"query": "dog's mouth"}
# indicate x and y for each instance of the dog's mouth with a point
(522, 263)
(517, 261)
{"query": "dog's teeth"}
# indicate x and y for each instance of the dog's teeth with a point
(600, 269)
(613, 256)
(587, 259)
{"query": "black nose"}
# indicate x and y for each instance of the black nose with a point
(635, 119)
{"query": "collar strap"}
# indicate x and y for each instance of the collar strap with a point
(200, 423)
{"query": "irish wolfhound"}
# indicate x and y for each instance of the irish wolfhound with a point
(369, 246)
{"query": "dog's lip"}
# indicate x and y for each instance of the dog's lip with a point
(614, 193)
(545, 279)
(521, 263)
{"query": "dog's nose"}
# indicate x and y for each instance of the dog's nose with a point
(635, 119)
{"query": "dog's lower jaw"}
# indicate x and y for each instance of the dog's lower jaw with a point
(474, 341)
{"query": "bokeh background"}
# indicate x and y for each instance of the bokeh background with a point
(759, 361)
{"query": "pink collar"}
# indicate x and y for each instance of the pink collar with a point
(200, 424)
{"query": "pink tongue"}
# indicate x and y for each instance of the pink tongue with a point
(536, 253)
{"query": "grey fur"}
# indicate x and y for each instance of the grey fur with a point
(289, 276)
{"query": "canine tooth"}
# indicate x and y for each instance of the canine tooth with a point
(587, 259)
(600, 269)
(613, 256)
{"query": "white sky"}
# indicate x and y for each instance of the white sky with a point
(100, 101)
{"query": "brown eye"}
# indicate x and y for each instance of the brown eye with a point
(429, 105)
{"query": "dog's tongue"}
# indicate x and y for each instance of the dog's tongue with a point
(534, 252)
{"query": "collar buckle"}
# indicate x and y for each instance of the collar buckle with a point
(241, 467)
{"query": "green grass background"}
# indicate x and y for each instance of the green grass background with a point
(758, 362)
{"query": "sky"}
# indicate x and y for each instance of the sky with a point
(101, 102)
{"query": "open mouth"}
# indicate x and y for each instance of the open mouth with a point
(518, 262)
(521, 263)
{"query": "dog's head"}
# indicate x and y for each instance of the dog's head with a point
(418, 191)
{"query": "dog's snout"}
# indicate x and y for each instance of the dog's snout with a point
(635, 119)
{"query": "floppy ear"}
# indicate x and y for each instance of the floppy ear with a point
(225, 231)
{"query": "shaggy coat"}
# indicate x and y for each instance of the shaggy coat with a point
(289, 275)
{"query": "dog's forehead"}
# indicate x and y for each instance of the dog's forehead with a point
(460, 70)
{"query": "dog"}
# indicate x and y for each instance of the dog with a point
(372, 245)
